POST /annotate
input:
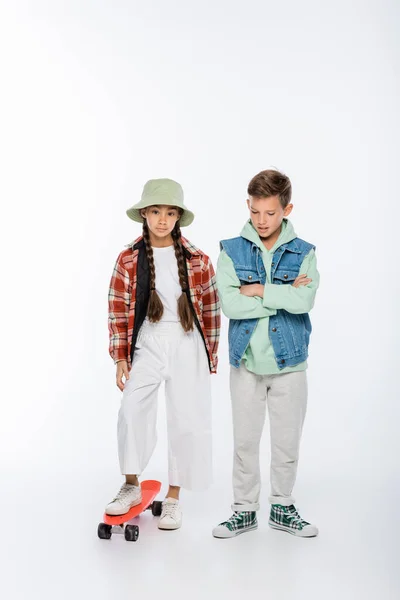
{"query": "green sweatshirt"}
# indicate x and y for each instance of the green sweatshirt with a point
(259, 356)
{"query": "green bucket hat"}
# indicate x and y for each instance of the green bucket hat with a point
(165, 192)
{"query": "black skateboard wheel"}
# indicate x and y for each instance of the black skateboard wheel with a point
(156, 508)
(104, 531)
(131, 533)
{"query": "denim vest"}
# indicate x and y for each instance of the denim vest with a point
(289, 333)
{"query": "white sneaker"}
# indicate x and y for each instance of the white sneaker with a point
(128, 496)
(171, 516)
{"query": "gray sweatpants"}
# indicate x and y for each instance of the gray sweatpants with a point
(286, 397)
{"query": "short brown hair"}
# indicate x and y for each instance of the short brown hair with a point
(271, 183)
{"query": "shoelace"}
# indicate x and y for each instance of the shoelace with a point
(170, 509)
(294, 516)
(234, 519)
(122, 494)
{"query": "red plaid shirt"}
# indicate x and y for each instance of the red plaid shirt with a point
(122, 300)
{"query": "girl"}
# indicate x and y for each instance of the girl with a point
(164, 322)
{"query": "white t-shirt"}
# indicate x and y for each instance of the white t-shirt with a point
(167, 281)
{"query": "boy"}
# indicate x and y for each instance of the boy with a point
(267, 280)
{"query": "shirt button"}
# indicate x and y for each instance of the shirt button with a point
(247, 331)
(274, 329)
(285, 276)
(272, 264)
(250, 277)
(282, 361)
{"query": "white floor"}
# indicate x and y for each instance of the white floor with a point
(59, 468)
(50, 548)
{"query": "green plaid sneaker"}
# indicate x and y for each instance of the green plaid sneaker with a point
(286, 518)
(238, 523)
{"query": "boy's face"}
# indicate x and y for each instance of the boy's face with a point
(267, 214)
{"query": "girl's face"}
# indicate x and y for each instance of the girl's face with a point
(161, 220)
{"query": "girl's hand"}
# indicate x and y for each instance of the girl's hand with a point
(301, 280)
(254, 289)
(122, 371)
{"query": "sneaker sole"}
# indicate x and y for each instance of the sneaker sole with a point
(295, 532)
(119, 514)
(232, 534)
(169, 527)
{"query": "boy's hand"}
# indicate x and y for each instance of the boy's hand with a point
(254, 289)
(301, 280)
(122, 371)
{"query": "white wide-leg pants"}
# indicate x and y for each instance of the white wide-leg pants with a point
(164, 352)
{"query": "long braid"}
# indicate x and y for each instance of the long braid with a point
(184, 309)
(155, 309)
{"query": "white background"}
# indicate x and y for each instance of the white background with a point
(96, 98)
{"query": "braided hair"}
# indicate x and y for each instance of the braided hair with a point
(155, 308)
(184, 308)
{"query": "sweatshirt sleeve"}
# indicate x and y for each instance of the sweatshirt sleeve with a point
(234, 304)
(294, 300)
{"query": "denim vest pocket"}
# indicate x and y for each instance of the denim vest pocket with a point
(285, 276)
(247, 275)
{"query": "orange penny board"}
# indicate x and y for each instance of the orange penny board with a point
(150, 489)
